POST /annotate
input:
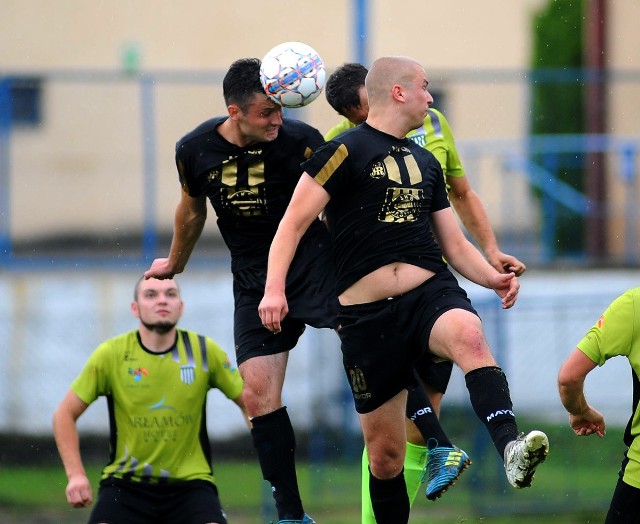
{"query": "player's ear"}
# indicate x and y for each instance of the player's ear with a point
(134, 309)
(233, 111)
(397, 91)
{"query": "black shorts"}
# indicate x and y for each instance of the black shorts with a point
(383, 340)
(434, 372)
(311, 297)
(188, 502)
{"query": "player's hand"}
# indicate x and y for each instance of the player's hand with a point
(79, 494)
(506, 286)
(506, 263)
(272, 309)
(590, 423)
(160, 269)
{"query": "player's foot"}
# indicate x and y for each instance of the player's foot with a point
(306, 519)
(523, 455)
(444, 466)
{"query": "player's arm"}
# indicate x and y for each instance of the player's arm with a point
(472, 213)
(468, 261)
(65, 431)
(583, 419)
(190, 217)
(308, 200)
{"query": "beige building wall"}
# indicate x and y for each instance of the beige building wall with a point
(82, 170)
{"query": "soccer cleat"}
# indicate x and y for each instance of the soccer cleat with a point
(444, 466)
(523, 455)
(306, 519)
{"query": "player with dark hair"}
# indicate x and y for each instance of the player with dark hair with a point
(390, 219)
(156, 381)
(247, 165)
(616, 333)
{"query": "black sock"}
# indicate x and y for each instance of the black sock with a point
(389, 499)
(275, 443)
(420, 412)
(490, 398)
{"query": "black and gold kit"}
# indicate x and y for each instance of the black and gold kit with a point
(383, 191)
(249, 188)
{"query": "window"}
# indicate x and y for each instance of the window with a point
(25, 94)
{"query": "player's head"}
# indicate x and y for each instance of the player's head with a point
(397, 85)
(157, 304)
(346, 93)
(255, 116)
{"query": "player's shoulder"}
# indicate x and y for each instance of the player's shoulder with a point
(118, 344)
(338, 129)
(203, 130)
(197, 338)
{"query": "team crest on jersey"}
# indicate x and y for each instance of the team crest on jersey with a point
(600, 323)
(378, 170)
(214, 174)
(188, 374)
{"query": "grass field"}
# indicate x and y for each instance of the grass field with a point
(573, 487)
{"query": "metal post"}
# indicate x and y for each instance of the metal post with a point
(149, 233)
(5, 168)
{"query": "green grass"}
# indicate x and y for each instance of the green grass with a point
(574, 486)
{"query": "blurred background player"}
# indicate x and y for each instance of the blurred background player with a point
(347, 95)
(389, 216)
(616, 333)
(157, 472)
(247, 163)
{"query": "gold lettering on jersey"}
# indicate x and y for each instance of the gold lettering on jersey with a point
(244, 200)
(393, 170)
(402, 204)
(415, 175)
(378, 170)
(230, 173)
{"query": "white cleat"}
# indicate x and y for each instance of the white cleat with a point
(523, 455)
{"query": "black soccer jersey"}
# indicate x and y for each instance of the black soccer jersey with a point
(383, 190)
(249, 187)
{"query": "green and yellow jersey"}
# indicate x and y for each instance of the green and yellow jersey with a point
(157, 404)
(617, 333)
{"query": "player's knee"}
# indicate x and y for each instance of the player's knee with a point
(385, 462)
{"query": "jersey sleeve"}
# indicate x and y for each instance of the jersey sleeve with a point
(93, 381)
(327, 166)
(223, 375)
(453, 165)
(613, 333)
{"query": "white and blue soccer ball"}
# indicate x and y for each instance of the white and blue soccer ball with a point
(292, 74)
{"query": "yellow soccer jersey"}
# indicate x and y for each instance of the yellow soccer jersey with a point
(617, 333)
(157, 404)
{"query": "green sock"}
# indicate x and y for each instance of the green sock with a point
(415, 460)
(414, 463)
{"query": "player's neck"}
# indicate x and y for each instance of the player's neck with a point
(157, 342)
(232, 134)
(386, 125)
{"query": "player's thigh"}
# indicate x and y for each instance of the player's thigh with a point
(385, 436)
(457, 335)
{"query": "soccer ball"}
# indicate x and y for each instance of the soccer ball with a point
(292, 74)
